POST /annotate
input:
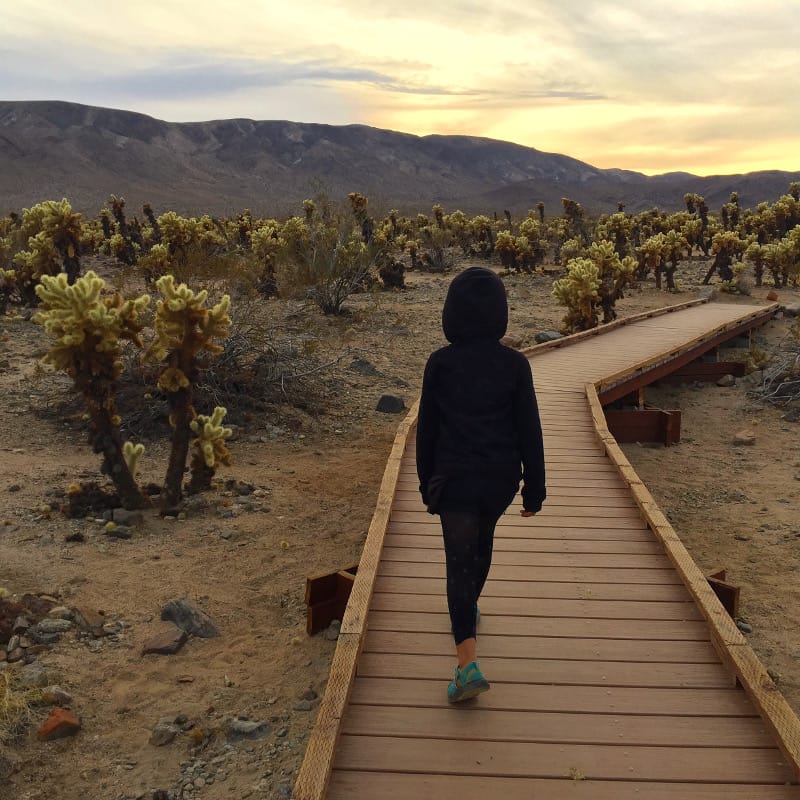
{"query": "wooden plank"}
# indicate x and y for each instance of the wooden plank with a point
(544, 607)
(499, 646)
(430, 525)
(517, 544)
(640, 730)
(543, 574)
(553, 627)
(533, 559)
(571, 591)
(539, 521)
(684, 702)
(544, 671)
(354, 785)
(606, 762)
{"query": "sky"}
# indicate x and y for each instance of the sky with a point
(703, 86)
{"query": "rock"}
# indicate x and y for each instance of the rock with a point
(363, 367)
(38, 606)
(164, 732)
(745, 438)
(512, 340)
(772, 296)
(12, 656)
(726, 381)
(89, 621)
(60, 612)
(166, 642)
(792, 310)
(56, 696)
(706, 293)
(21, 624)
(547, 336)
(390, 404)
(744, 627)
(331, 633)
(115, 531)
(303, 705)
(309, 694)
(13, 643)
(59, 724)
(792, 415)
(245, 489)
(48, 625)
(129, 518)
(34, 676)
(189, 618)
(248, 729)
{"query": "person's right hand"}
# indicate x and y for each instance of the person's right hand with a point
(525, 513)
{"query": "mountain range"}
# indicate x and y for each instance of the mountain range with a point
(54, 149)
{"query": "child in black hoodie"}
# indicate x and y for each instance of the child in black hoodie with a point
(478, 435)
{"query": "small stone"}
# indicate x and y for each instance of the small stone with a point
(56, 696)
(21, 624)
(512, 340)
(48, 625)
(792, 310)
(744, 627)
(166, 642)
(309, 694)
(303, 705)
(60, 612)
(34, 676)
(726, 381)
(14, 487)
(122, 516)
(744, 438)
(118, 532)
(89, 621)
(13, 643)
(331, 633)
(547, 336)
(59, 724)
(390, 404)
(188, 617)
(163, 733)
(772, 296)
(248, 729)
(12, 656)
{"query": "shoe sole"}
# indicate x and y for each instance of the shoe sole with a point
(469, 691)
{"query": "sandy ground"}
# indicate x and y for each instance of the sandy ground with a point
(244, 559)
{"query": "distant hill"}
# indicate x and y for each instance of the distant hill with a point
(50, 150)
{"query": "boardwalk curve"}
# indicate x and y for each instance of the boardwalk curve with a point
(615, 671)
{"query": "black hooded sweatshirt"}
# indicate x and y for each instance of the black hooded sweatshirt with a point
(478, 415)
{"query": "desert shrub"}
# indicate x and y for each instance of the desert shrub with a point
(325, 258)
(578, 291)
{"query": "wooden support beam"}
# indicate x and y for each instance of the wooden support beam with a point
(727, 593)
(644, 425)
(327, 596)
(704, 372)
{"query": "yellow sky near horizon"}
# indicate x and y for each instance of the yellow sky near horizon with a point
(708, 88)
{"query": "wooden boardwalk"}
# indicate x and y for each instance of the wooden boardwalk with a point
(613, 666)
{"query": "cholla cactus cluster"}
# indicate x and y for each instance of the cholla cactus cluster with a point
(88, 327)
(578, 291)
(209, 448)
(185, 328)
(8, 281)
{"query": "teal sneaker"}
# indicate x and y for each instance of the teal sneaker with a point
(468, 682)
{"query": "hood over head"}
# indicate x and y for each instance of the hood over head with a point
(475, 307)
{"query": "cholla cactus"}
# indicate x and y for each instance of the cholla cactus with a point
(209, 448)
(8, 282)
(52, 233)
(578, 291)
(185, 328)
(88, 328)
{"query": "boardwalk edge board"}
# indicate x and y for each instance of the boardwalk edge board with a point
(316, 769)
(734, 649)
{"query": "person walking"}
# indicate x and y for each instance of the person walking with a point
(478, 436)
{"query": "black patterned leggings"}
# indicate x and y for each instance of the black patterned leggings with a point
(468, 540)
